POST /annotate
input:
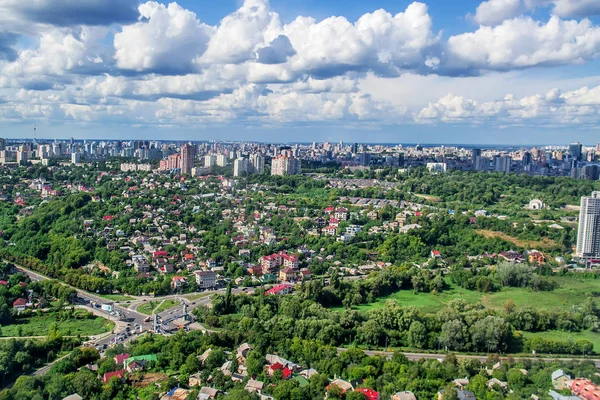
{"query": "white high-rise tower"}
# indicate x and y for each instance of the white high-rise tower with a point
(588, 236)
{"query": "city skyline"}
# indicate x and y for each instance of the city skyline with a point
(491, 72)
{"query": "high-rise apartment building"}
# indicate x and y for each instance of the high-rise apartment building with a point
(210, 161)
(575, 151)
(364, 159)
(221, 160)
(476, 159)
(240, 167)
(285, 165)
(502, 164)
(258, 164)
(588, 235)
(188, 152)
(22, 157)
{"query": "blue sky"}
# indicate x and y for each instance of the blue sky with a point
(494, 71)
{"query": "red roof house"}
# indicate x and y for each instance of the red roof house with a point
(117, 374)
(370, 394)
(120, 358)
(280, 289)
(159, 253)
(585, 389)
(20, 303)
(286, 372)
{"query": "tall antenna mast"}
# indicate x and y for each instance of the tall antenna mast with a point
(34, 131)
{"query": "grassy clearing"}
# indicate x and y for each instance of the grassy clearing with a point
(540, 244)
(166, 305)
(116, 297)
(433, 199)
(427, 301)
(39, 326)
(562, 336)
(571, 291)
(155, 307)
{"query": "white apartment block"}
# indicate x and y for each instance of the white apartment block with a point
(588, 235)
(284, 165)
(221, 160)
(210, 161)
(240, 167)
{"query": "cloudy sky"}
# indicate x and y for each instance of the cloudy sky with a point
(498, 71)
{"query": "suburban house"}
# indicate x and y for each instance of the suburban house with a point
(286, 373)
(344, 386)
(210, 392)
(21, 304)
(242, 353)
(288, 274)
(369, 394)
(559, 379)
(110, 375)
(280, 289)
(254, 386)
(404, 396)
(178, 282)
(120, 358)
(585, 389)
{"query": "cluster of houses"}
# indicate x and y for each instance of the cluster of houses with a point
(128, 365)
(23, 303)
(580, 388)
(531, 256)
(274, 364)
(283, 265)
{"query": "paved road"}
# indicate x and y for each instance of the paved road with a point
(46, 368)
(438, 356)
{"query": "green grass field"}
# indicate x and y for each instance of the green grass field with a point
(562, 336)
(166, 305)
(571, 291)
(39, 325)
(157, 306)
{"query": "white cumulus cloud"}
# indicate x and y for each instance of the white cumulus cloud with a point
(493, 12)
(166, 39)
(523, 42)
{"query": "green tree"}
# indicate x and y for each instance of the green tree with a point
(417, 335)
